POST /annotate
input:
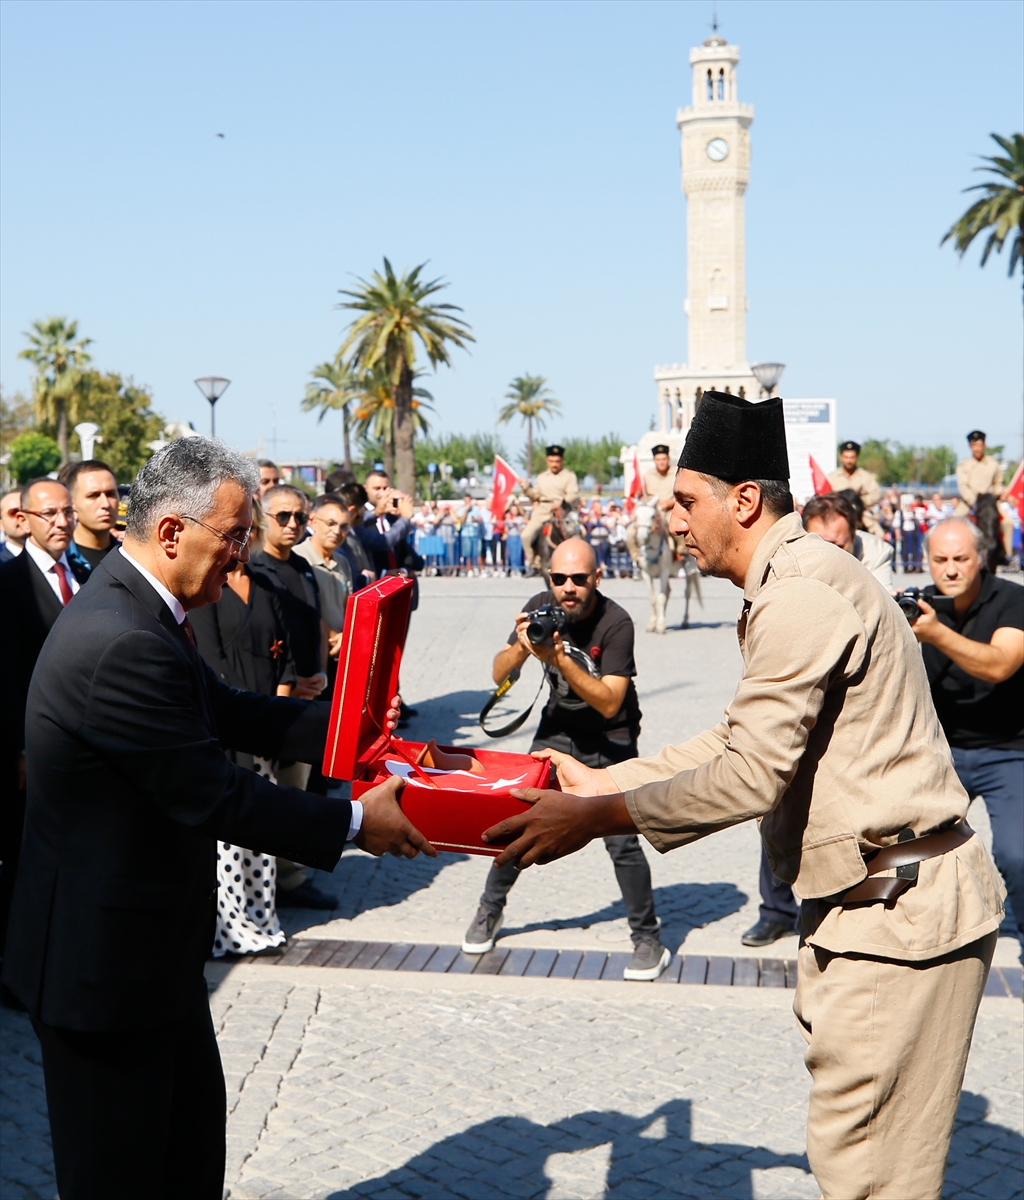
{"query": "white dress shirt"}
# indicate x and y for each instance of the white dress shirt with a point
(46, 563)
(178, 612)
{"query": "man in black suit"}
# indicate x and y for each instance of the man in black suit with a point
(13, 525)
(34, 587)
(129, 791)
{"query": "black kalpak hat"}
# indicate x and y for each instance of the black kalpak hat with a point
(660, 448)
(976, 436)
(734, 439)
(854, 446)
(559, 450)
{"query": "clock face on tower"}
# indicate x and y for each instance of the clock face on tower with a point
(717, 149)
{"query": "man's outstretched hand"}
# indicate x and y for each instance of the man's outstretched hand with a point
(385, 828)
(558, 824)
(574, 777)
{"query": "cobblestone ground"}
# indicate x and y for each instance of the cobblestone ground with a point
(419, 1086)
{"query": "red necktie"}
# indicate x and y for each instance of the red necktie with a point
(62, 581)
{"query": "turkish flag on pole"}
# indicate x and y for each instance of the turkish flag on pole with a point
(1016, 489)
(636, 484)
(504, 482)
(818, 478)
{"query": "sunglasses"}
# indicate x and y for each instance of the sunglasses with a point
(580, 580)
(282, 518)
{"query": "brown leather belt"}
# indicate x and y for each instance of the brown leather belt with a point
(904, 855)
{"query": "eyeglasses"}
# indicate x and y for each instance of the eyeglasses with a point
(283, 518)
(581, 579)
(50, 515)
(344, 527)
(240, 542)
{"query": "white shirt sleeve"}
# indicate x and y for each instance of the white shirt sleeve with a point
(357, 820)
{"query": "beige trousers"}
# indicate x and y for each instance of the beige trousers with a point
(887, 1045)
(537, 521)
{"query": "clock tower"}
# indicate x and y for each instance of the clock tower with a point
(715, 134)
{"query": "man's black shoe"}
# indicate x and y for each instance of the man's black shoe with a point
(767, 931)
(409, 712)
(306, 895)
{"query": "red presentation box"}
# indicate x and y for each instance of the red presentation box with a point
(451, 809)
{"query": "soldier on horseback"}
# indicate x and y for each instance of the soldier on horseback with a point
(554, 495)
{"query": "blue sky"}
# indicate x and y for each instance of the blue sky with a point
(529, 151)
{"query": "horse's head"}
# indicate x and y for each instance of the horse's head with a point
(646, 517)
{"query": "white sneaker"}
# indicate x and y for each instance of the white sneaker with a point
(649, 959)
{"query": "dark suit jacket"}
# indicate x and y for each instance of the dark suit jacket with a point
(129, 791)
(28, 609)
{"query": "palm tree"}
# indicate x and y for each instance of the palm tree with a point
(59, 355)
(1001, 209)
(375, 416)
(530, 399)
(396, 312)
(334, 387)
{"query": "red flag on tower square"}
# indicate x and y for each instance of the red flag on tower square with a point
(504, 482)
(818, 478)
(636, 484)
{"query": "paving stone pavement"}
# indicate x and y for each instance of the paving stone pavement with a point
(347, 1084)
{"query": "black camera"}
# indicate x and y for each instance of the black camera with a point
(908, 602)
(544, 622)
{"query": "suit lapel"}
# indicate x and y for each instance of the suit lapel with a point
(149, 598)
(46, 600)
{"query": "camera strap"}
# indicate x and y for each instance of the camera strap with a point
(500, 691)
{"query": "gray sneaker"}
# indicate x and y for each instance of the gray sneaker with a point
(649, 959)
(482, 932)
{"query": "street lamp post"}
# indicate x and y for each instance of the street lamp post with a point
(212, 387)
(768, 375)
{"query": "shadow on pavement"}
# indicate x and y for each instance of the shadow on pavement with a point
(985, 1159)
(650, 1155)
(443, 717)
(681, 907)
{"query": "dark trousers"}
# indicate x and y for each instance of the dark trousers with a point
(998, 777)
(632, 872)
(137, 1112)
(777, 900)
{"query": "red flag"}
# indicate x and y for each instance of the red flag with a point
(636, 484)
(504, 482)
(818, 478)
(1016, 489)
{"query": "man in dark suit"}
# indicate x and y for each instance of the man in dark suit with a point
(13, 525)
(34, 587)
(129, 791)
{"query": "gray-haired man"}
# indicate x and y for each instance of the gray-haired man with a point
(125, 729)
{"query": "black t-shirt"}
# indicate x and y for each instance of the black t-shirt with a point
(602, 644)
(95, 557)
(974, 714)
(294, 580)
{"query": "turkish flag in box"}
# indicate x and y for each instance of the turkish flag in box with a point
(451, 808)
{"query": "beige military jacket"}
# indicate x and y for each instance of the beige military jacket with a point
(657, 486)
(974, 479)
(866, 486)
(832, 741)
(551, 491)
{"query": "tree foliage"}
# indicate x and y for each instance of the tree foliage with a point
(1001, 208)
(59, 355)
(16, 417)
(334, 388)
(893, 462)
(530, 398)
(127, 422)
(397, 313)
(33, 454)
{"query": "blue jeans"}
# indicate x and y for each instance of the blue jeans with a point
(998, 777)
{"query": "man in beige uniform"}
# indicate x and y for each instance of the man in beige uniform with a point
(849, 477)
(554, 488)
(658, 482)
(976, 475)
(832, 742)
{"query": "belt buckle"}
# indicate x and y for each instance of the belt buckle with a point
(910, 870)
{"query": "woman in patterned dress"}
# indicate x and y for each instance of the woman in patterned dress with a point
(243, 639)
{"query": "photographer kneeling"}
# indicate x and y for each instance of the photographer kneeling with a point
(974, 659)
(593, 714)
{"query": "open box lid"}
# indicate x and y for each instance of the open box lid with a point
(376, 620)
